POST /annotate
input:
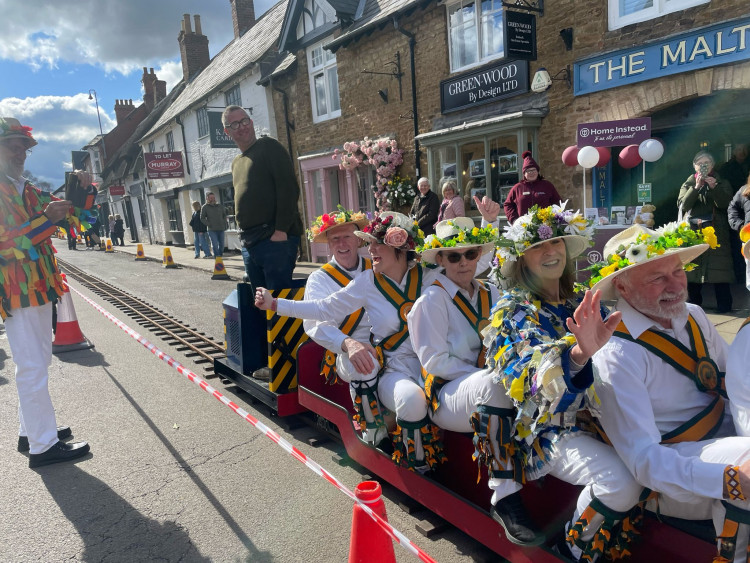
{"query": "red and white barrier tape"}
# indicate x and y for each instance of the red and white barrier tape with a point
(397, 536)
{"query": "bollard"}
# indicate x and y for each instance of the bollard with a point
(139, 254)
(167, 260)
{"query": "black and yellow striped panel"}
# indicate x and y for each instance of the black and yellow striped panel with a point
(285, 334)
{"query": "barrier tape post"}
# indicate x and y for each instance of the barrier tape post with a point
(397, 536)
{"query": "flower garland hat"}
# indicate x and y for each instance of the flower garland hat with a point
(318, 231)
(638, 245)
(538, 226)
(456, 234)
(11, 128)
(394, 229)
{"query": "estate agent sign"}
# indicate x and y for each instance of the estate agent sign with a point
(162, 165)
(484, 85)
(719, 44)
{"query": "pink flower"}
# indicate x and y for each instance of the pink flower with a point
(396, 237)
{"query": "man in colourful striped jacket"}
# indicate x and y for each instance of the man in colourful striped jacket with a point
(29, 283)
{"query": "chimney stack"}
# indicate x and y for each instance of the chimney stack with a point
(123, 108)
(193, 48)
(154, 90)
(243, 16)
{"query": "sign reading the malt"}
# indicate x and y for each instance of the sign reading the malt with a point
(163, 165)
(219, 139)
(614, 133)
(520, 35)
(724, 43)
(484, 85)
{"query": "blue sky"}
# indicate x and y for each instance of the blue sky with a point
(54, 51)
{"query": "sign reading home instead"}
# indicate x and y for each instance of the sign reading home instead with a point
(520, 35)
(219, 139)
(719, 44)
(163, 165)
(614, 133)
(484, 85)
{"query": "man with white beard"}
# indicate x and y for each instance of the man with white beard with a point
(663, 406)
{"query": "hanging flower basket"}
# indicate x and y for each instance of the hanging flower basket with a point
(383, 154)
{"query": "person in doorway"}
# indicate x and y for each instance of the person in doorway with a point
(425, 207)
(199, 232)
(118, 233)
(663, 406)
(110, 226)
(214, 216)
(266, 199)
(532, 190)
(704, 198)
(452, 205)
(30, 283)
(736, 169)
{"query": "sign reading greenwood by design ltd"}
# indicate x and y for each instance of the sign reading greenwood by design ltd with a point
(484, 85)
(718, 44)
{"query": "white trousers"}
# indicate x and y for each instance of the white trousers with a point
(459, 399)
(726, 451)
(29, 333)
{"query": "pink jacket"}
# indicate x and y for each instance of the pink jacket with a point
(450, 209)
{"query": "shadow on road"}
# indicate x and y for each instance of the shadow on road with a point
(254, 554)
(88, 358)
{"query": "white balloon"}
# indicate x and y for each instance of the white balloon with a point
(588, 157)
(650, 150)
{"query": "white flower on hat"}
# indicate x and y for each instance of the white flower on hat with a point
(636, 253)
(505, 255)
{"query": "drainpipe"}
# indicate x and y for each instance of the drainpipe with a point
(415, 119)
(285, 99)
(184, 143)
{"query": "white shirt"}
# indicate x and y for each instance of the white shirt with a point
(644, 397)
(446, 344)
(327, 333)
(738, 380)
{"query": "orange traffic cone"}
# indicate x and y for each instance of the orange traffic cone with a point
(369, 543)
(168, 261)
(139, 254)
(68, 335)
(220, 272)
(109, 248)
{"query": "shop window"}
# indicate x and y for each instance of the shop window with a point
(226, 198)
(170, 141)
(365, 183)
(473, 179)
(324, 83)
(475, 32)
(626, 12)
(143, 211)
(233, 97)
(505, 166)
(317, 189)
(173, 212)
(203, 127)
(444, 164)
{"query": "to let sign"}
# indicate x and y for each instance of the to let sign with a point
(162, 165)
(219, 139)
(117, 190)
(520, 35)
(485, 85)
(614, 133)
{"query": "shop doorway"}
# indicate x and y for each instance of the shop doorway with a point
(131, 220)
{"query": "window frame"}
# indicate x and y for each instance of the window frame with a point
(478, 25)
(659, 9)
(313, 72)
(233, 96)
(170, 141)
(201, 115)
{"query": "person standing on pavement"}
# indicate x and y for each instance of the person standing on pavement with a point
(266, 197)
(119, 230)
(30, 283)
(199, 232)
(532, 190)
(425, 207)
(214, 216)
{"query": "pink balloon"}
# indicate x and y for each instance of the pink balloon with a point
(629, 157)
(570, 156)
(605, 155)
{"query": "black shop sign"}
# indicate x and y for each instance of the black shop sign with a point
(219, 139)
(484, 85)
(520, 35)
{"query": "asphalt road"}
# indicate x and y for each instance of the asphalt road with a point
(173, 475)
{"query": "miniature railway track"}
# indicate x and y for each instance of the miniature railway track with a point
(196, 345)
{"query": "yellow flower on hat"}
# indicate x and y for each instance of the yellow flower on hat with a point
(607, 270)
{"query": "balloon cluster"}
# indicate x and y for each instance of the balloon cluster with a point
(631, 156)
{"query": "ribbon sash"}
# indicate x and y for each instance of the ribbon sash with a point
(402, 301)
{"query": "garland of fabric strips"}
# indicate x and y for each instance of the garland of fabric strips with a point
(484, 453)
(368, 390)
(349, 324)
(614, 536)
(477, 320)
(404, 453)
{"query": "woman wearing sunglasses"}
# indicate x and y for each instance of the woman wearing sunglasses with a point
(541, 338)
(445, 326)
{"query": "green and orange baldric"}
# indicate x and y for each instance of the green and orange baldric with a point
(349, 324)
(403, 301)
(695, 364)
(478, 320)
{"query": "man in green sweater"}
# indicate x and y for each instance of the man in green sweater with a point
(266, 196)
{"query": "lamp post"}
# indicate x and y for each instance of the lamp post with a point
(98, 115)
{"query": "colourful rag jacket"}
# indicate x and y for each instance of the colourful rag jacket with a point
(28, 273)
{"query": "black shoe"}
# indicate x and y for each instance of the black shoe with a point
(59, 452)
(511, 514)
(262, 374)
(62, 433)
